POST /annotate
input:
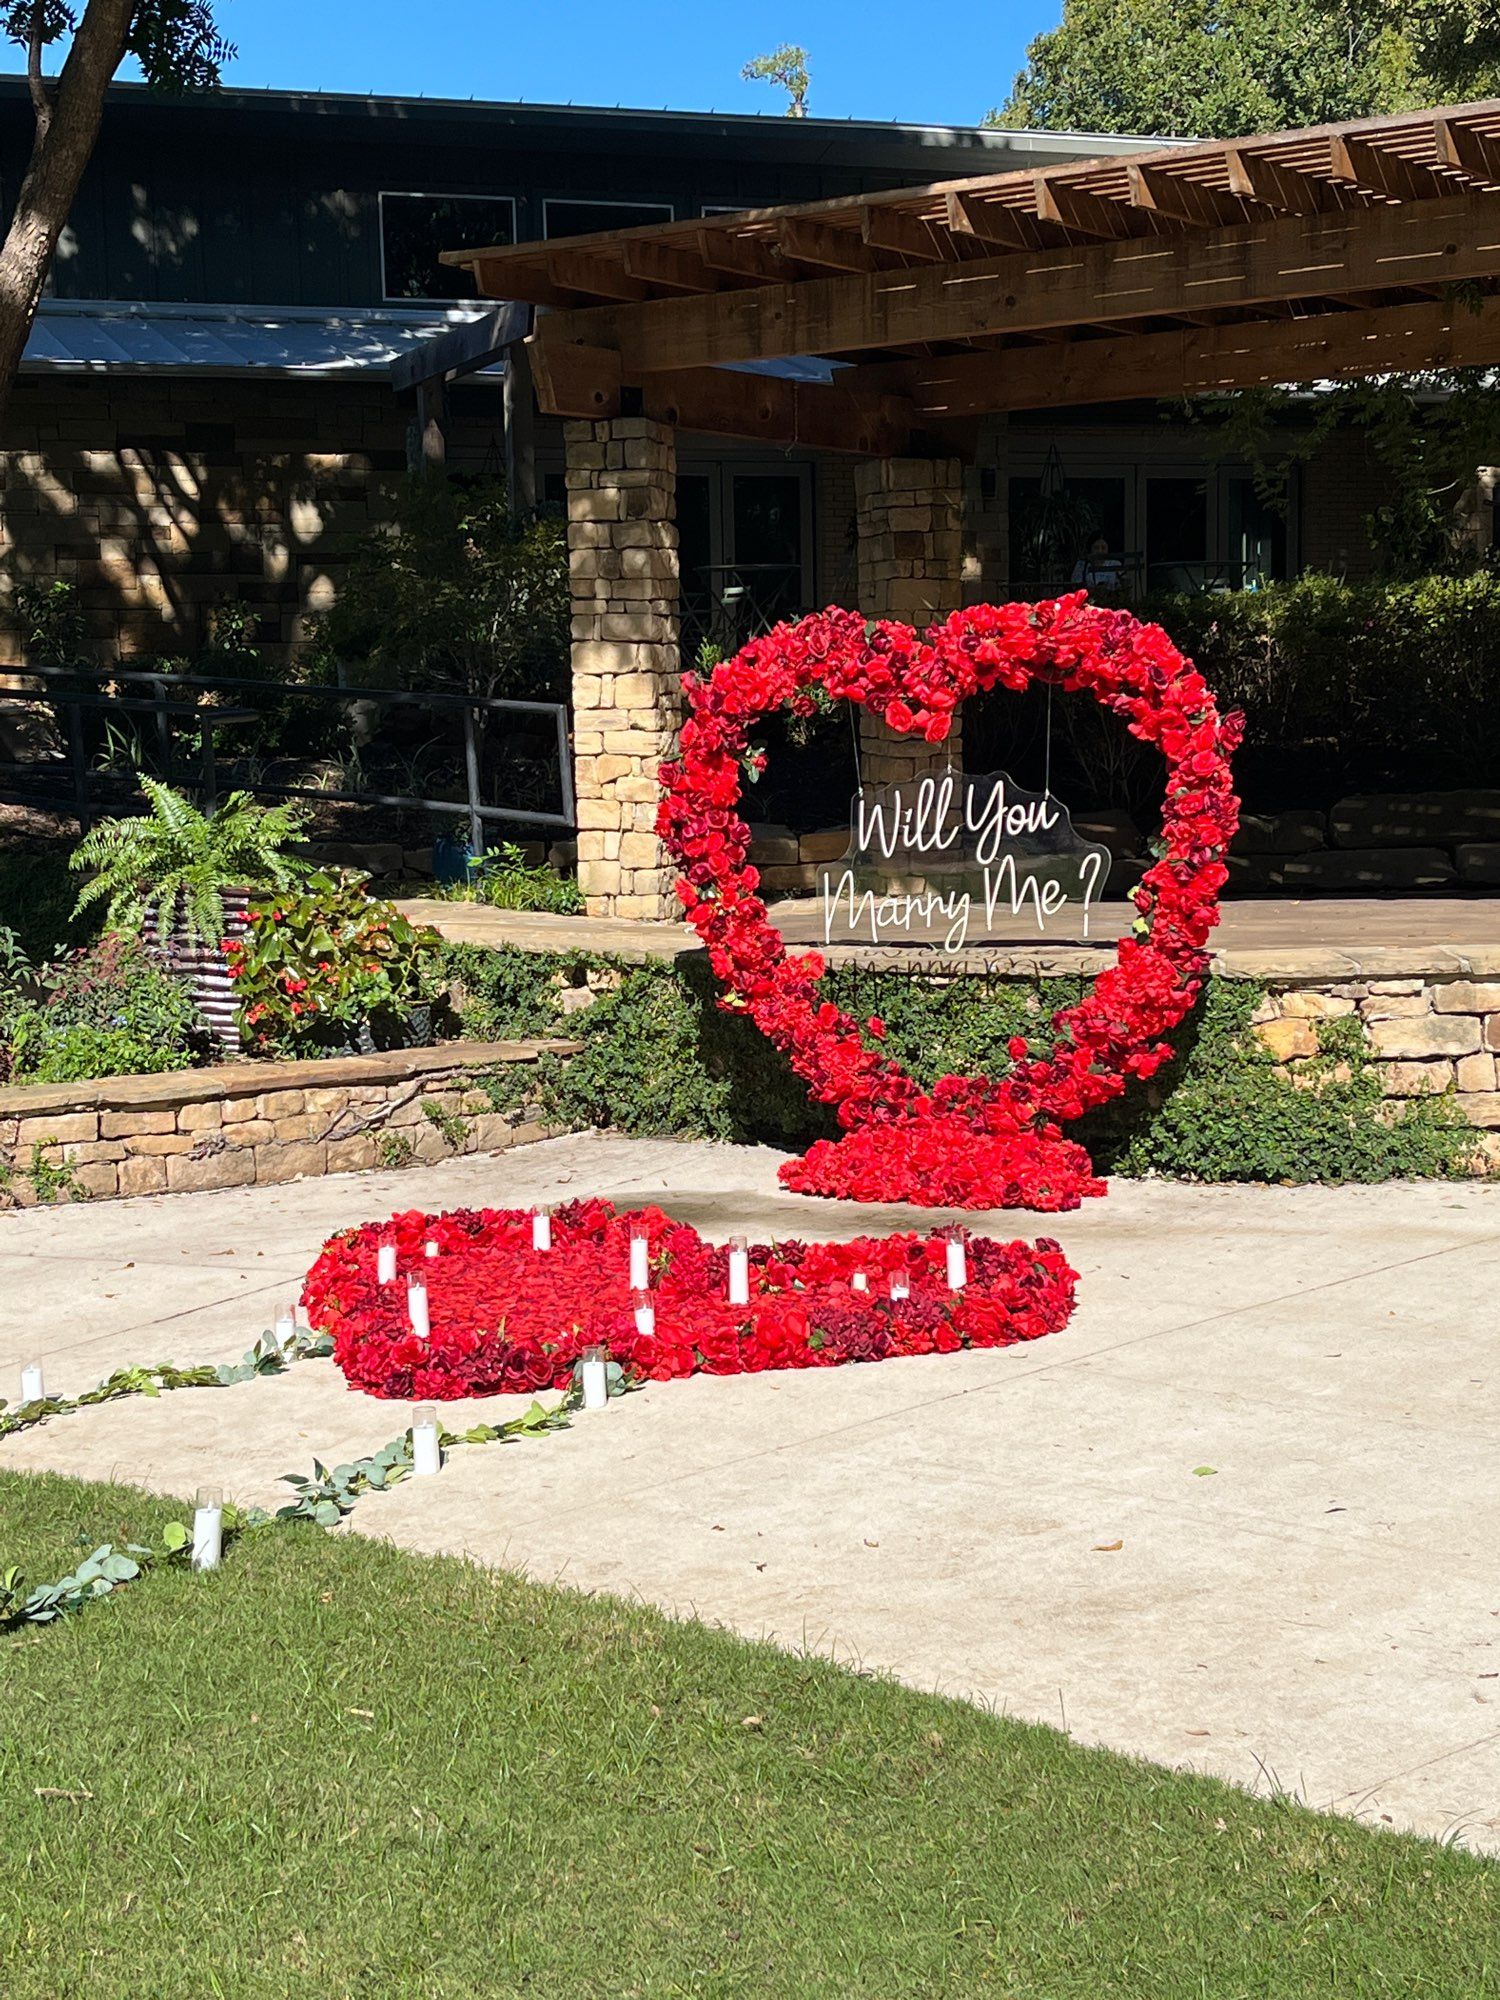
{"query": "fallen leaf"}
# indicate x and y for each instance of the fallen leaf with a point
(1205, 1471)
(1107, 1548)
(1200, 1732)
(752, 1722)
(871, 1545)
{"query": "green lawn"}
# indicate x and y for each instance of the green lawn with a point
(333, 1769)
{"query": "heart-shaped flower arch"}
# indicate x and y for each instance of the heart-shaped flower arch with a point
(970, 1141)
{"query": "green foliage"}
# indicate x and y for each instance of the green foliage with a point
(109, 1010)
(1379, 682)
(452, 593)
(455, 1129)
(1225, 68)
(176, 42)
(659, 1057)
(324, 960)
(786, 67)
(51, 622)
(38, 896)
(175, 862)
(505, 880)
(394, 1150)
(96, 1576)
(51, 1180)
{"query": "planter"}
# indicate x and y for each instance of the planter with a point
(205, 969)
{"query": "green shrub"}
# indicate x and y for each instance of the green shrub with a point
(505, 880)
(658, 1057)
(109, 1010)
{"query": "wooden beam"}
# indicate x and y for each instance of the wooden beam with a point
(1328, 346)
(1169, 194)
(890, 229)
(530, 284)
(1436, 242)
(986, 221)
(574, 381)
(1271, 184)
(728, 403)
(1362, 163)
(739, 257)
(580, 272)
(1476, 154)
(1075, 208)
(827, 249)
(670, 269)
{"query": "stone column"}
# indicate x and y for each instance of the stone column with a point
(622, 560)
(909, 524)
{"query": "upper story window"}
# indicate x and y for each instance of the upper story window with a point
(414, 228)
(587, 218)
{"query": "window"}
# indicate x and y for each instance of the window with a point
(588, 218)
(414, 228)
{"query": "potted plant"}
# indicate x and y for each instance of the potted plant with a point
(184, 878)
(328, 969)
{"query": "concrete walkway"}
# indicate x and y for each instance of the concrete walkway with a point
(1321, 1611)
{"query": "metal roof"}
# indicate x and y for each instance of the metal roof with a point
(297, 343)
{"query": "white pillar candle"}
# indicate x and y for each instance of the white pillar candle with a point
(208, 1528)
(426, 1451)
(541, 1229)
(958, 1261)
(32, 1387)
(645, 1313)
(900, 1285)
(739, 1271)
(859, 1282)
(595, 1379)
(640, 1261)
(286, 1328)
(385, 1264)
(416, 1306)
(429, 1248)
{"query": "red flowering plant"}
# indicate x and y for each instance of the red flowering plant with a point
(968, 1141)
(505, 1316)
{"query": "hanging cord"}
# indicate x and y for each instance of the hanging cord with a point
(859, 769)
(1047, 752)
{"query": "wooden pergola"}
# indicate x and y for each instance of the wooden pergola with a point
(1345, 250)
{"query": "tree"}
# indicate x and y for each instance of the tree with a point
(1224, 68)
(177, 47)
(786, 66)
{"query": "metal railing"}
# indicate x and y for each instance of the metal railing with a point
(60, 691)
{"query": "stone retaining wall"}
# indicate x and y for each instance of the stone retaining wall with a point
(1432, 1035)
(252, 1124)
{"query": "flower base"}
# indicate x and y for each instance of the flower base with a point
(944, 1163)
(505, 1316)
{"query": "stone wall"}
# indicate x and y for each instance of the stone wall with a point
(253, 1124)
(909, 524)
(622, 561)
(1433, 1035)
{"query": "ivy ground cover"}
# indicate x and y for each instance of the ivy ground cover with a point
(505, 1315)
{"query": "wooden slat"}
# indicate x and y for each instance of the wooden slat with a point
(1456, 237)
(828, 249)
(1275, 186)
(738, 256)
(890, 229)
(1329, 346)
(670, 269)
(1476, 154)
(580, 272)
(1074, 208)
(985, 221)
(1159, 189)
(1365, 164)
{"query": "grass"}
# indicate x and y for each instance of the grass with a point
(335, 1769)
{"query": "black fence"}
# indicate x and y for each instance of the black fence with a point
(181, 727)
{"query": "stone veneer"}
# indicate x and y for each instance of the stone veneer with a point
(1432, 1034)
(909, 539)
(622, 562)
(255, 1123)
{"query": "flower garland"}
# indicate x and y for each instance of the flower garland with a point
(969, 1141)
(505, 1316)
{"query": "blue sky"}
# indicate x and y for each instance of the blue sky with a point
(870, 58)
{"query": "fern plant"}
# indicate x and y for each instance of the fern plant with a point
(174, 862)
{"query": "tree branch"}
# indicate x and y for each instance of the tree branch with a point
(36, 83)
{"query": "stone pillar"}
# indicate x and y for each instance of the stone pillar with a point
(909, 524)
(622, 560)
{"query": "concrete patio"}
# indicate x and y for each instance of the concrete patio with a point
(1038, 1529)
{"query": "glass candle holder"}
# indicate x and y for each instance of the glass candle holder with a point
(416, 1306)
(541, 1229)
(739, 1271)
(957, 1258)
(900, 1285)
(385, 1263)
(595, 1373)
(33, 1384)
(645, 1312)
(640, 1260)
(426, 1450)
(429, 1248)
(208, 1528)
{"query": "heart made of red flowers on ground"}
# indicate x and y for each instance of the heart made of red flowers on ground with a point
(505, 1315)
(969, 1141)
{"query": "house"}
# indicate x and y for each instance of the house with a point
(207, 408)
